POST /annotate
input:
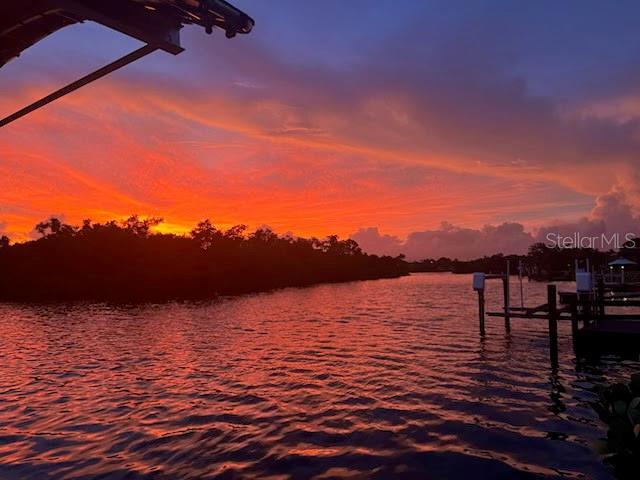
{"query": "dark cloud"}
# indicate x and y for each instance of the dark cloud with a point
(449, 241)
(372, 241)
(453, 95)
(611, 218)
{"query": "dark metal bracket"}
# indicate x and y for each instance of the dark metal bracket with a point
(156, 24)
(92, 77)
(160, 34)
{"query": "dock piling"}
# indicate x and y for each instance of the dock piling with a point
(505, 287)
(574, 320)
(478, 286)
(600, 299)
(553, 324)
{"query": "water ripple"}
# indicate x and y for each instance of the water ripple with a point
(379, 379)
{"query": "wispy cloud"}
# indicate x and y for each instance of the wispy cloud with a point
(443, 118)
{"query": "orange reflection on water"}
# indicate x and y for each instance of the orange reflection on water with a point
(383, 377)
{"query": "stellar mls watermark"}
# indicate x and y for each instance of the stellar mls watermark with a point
(598, 242)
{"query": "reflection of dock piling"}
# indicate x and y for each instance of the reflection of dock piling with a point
(600, 332)
(507, 297)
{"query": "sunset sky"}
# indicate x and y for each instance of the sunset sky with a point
(429, 127)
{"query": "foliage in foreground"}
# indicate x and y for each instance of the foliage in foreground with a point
(619, 407)
(125, 261)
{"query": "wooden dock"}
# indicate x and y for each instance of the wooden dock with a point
(610, 335)
(595, 329)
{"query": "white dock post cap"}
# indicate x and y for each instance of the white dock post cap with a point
(478, 281)
(584, 282)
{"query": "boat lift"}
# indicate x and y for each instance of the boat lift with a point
(591, 303)
(156, 23)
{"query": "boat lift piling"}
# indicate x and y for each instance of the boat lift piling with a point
(553, 323)
(479, 280)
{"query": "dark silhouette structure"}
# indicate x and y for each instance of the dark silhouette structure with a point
(125, 261)
(156, 23)
(619, 408)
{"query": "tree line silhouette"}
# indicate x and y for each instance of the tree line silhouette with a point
(127, 261)
(542, 262)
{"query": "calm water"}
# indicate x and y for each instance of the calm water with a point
(385, 379)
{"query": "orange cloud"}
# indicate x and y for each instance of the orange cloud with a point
(299, 150)
(110, 151)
